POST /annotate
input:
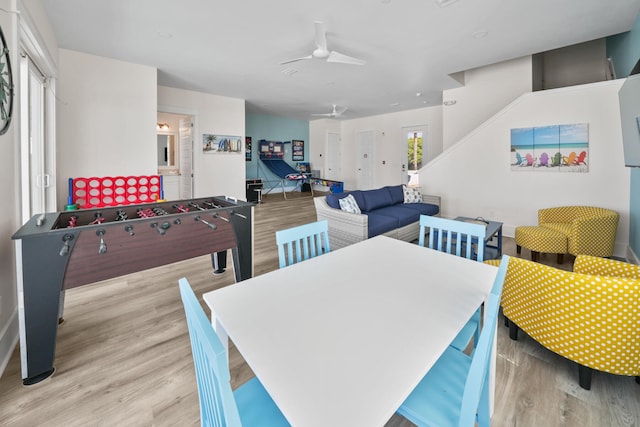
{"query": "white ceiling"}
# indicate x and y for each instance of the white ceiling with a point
(234, 47)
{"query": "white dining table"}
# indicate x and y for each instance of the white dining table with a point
(343, 338)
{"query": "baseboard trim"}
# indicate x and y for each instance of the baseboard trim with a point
(9, 336)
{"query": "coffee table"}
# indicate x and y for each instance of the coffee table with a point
(494, 229)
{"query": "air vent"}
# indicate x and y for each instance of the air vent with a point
(289, 71)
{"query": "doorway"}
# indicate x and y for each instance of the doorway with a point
(37, 140)
(364, 172)
(175, 154)
(413, 154)
(332, 163)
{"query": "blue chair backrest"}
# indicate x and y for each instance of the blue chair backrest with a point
(217, 404)
(453, 237)
(475, 399)
(303, 242)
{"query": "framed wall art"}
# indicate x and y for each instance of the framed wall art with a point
(297, 150)
(247, 148)
(557, 148)
(212, 143)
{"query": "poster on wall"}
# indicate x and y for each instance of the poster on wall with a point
(247, 146)
(557, 148)
(212, 143)
(297, 150)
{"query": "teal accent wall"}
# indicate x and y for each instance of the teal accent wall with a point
(272, 128)
(624, 49)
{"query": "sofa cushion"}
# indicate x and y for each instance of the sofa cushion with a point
(395, 191)
(333, 200)
(379, 224)
(349, 204)
(412, 194)
(374, 199)
(423, 208)
(404, 216)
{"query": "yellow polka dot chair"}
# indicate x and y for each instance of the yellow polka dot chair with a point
(590, 316)
(577, 230)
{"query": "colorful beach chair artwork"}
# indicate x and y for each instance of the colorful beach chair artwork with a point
(581, 158)
(570, 159)
(520, 161)
(544, 160)
(557, 159)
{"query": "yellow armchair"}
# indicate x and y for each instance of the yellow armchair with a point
(590, 316)
(589, 230)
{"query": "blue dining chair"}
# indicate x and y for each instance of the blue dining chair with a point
(302, 242)
(249, 404)
(453, 236)
(455, 391)
(457, 238)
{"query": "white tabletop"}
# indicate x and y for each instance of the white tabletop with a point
(342, 339)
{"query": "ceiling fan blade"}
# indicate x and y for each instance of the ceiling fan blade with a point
(339, 111)
(344, 59)
(324, 114)
(296, 59)
(321, 36)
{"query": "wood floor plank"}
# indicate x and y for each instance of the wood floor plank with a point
(123, 355)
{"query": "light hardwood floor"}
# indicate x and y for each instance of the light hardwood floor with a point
(123, 355)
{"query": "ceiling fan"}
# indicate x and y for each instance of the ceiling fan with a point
(322, 52)
(336, 112)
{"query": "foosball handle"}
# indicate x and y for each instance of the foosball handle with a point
(70, 205)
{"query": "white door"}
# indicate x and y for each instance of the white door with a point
(34, 174)
(186, 158)
(332, 162)
(364, 170)
(413, 154)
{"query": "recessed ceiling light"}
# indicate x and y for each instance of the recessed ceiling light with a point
(395, 104)
(480, 34)
(165, 35)
(418, 93)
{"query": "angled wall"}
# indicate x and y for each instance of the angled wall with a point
(474, 177)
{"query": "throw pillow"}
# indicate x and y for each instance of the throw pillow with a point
(412, 194)
(348, 204)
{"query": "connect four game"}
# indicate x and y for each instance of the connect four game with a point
(96, 192)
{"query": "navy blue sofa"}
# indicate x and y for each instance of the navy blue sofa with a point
(383, 211)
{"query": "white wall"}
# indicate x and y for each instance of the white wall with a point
(388, 145)
(107, 111)
(486, 91)
(474, 177)
(214, 174)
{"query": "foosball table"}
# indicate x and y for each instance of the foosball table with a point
(59, 251)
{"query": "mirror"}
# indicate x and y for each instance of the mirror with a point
(166, 151)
